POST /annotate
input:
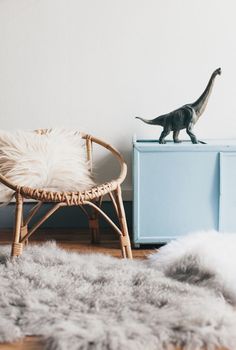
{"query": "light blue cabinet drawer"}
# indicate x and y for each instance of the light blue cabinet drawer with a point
(179, 189)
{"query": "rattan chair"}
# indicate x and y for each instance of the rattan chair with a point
(90, 198)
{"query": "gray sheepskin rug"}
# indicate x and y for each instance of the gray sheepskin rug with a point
(183, 295)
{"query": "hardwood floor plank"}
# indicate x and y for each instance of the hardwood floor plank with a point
(28, 343)
(78, 241)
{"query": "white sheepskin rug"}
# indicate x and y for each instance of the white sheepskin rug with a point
(54, 161)
(183, 295)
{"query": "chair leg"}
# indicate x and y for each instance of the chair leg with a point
(124, 239)
(17, 247)
(94, 228)
(24, 231)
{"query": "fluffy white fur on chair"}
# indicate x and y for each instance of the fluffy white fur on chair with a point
(55, 161)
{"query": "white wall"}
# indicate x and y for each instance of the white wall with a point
(99, 63)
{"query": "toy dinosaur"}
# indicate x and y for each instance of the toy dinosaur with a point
(184, 117)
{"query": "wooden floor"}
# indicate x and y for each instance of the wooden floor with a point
(74, 241)
(78, 241)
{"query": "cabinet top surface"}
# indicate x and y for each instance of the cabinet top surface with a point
(186, 145)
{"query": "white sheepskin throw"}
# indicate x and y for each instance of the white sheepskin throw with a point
(183, 295)
(206, 259)
(54, 161)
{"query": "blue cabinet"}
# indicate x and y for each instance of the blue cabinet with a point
(182, 188)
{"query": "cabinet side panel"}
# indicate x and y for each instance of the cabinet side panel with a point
(136, 197)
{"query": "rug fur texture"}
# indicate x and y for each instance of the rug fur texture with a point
(54, 161)
(183, 295)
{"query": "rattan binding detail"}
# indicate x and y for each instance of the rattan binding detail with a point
(17, 249)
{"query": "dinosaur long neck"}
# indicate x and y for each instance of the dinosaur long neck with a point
(200, 104)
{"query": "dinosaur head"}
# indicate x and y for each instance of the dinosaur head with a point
(217, 71)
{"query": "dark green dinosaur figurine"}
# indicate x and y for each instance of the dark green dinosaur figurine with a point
(184, 117)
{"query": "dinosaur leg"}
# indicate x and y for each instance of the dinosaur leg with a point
(176, 136)
(189, 131)
(164, 133)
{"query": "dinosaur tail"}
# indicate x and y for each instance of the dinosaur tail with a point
(147, 121)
